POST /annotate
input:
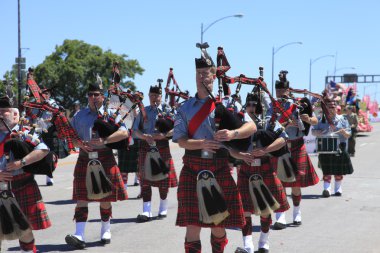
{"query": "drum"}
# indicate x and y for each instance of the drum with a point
(327, 144)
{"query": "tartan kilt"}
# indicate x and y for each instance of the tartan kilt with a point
(127, 158)
(188, 212)
(270, 179)
(335, 164)
(307, 175)
(30, 201)
(164, 150)
(109, 164)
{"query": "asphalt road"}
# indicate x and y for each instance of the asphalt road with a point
(338, 224)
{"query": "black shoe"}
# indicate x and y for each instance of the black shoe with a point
(139, 196)
(49, 183)
(262, 250)
(279, 226)
(297, 223)
(240, 250)
(325, 194)
(105, 241)
(338, 194)
(142, 218)
(75, 242)
(161, 216)
(352, 155)
(136, 184)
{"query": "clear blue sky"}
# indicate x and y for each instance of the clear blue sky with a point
(162, 34)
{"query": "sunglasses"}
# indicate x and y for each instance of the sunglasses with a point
(93, 94)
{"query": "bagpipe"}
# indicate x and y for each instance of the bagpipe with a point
(105, 125)
(175, 93)
(21, 144)
(287, 169)
(64, 129)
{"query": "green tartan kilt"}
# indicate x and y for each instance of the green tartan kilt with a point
(335, 164)
(128, 158)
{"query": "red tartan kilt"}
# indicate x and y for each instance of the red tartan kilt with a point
(30, 200)
(270, 180)
(304, 164)
(164, 150)
(188, 213)
(113, 173)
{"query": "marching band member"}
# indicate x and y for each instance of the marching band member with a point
(306, 173)
(24, 187)
(150, 140)
(201, 203)
(334, 164)
(260, 167)
(94, 149)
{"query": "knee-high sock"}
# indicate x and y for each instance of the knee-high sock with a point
(163, 192)
(81, 214)
(265, 223)
(105, 214)
(27, 246)
(327, 178)
(193, 247)
(247, 229)
(296, 199)
(218, 244)
(146, 193)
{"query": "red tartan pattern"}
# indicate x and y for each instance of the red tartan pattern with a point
(188, 213)
(30, 200)
(113, 173)
(308, 176)
(164, 150)
(270, 180)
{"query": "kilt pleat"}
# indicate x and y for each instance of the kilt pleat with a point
(128, 158)
(30, 200)
(113, 173)
(164, 150)
(188, 212)
(267, 172)
(307, 175)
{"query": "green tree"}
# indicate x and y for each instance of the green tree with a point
(74, 65)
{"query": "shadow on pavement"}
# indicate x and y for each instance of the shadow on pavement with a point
(59, 247)
(61, 202)
(311, 196)
(115, 221)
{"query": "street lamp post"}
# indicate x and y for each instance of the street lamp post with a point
(19, 55)
(313, 61)
(230, 16)
(274, 51)
(336, 70)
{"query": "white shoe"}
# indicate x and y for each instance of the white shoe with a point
(163, 210)
(105, 232)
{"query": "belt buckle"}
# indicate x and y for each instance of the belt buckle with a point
(256, 162)
(206, 154)
(93, 155)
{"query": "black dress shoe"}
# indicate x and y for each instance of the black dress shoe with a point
(338, 194)
(136, 184)
(105, 241)
(325, 194)
(297, 223)
(139, 196)
(75, 242)
(279, 226)
(240, 250)
(142, 218)
(49, 183)
(262, 250)
(161, 216)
